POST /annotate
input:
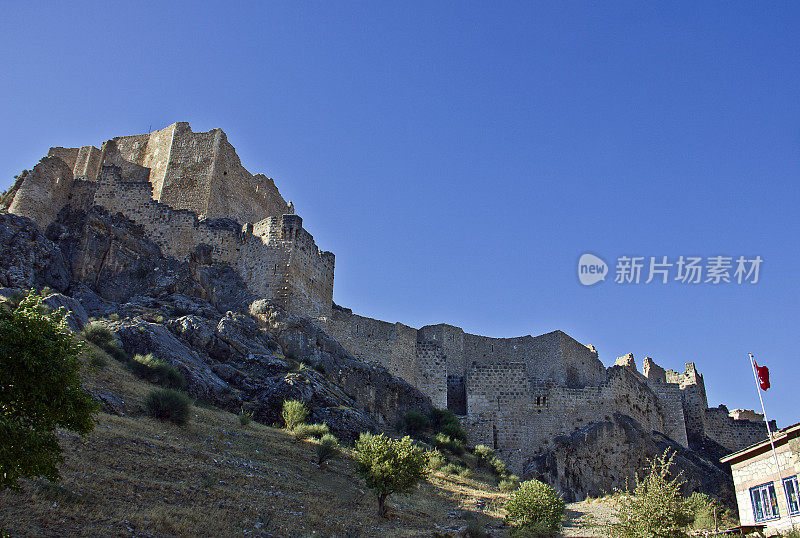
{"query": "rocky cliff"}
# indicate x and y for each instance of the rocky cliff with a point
(235, 352)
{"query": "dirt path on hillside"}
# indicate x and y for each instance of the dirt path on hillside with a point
(584, 519)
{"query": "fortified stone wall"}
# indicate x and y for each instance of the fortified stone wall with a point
(695, 401)
(200, 172)
(190, 189)
(734, 434)
(173, 183)
(520, 417)
(43, 191)
(396, 347)
(281, 262)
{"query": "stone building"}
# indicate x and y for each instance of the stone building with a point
(191, 195)
(761, 492)
(189, 191)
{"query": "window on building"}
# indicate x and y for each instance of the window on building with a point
(765, 502)
(790, 486)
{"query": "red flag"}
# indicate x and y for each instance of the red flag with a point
(763, 375)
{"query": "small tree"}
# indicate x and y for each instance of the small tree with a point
(294, 413)
(535, 508)
(389, 465)
(40, 390)
(655, 508)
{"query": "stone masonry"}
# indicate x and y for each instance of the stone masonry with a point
(518, 394)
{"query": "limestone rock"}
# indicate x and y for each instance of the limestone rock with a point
(27, 258)
(76, 314)
(602, 456)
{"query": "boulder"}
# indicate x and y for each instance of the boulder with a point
(76, 315)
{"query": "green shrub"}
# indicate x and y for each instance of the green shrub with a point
(475, 530)
(415, 422)
(294, 413)
(654, 508)
(483, 454)
(100, 335)
(304, 431)
(703, 509)
(40, 390)
(156, 371)
(436, 460)
(454, 431)
(167, 404)
(451, 469)
(510, 483)
(465, 472)
(327, 448)
(535, 508)
(440, 417)
(446, 422)
(498, 466)
(389, 465)
(245, 417)
(445, 442)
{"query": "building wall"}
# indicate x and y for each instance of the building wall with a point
(760, 469)
(396, 347)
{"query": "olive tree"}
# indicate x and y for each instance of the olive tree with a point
(389, 465)
(40, 390)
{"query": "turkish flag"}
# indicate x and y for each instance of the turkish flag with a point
(763, 375)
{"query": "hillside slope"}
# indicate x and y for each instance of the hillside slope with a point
(135, 475)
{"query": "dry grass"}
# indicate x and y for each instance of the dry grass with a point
(212, 477)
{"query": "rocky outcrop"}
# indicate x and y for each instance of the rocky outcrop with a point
(76, 316)
(28, 259)
(196, 315)
(606, 455)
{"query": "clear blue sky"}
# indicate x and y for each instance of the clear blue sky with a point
(458, 157)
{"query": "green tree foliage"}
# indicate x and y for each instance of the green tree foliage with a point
(655, 508)
(535, 509)
(40, 390)
(389, 465)
(294, 413)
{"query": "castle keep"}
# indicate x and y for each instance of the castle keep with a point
(190, 194)
(188, 190)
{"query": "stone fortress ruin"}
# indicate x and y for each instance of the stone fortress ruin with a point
(191, 195)
(189, 191)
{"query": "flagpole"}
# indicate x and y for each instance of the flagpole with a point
(771, 442)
